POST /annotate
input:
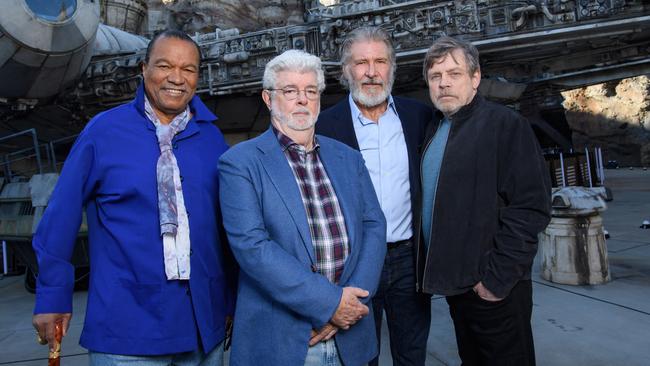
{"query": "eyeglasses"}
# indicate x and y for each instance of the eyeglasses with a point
(293, 93)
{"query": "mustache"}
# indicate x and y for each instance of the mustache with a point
(374, 81)
(302, 110)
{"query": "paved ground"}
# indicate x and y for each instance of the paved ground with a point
(573, 325)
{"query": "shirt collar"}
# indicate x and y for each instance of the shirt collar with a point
(287, 143)
(358, 116)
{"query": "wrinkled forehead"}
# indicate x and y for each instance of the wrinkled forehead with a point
(456, 55)
(452, 59)
(368, 48)
(295, 76)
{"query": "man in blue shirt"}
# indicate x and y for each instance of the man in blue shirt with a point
(388, 131)
(161, 279)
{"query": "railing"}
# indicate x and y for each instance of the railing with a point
(32, 152)
(576, 167)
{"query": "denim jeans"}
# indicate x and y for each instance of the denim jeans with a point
(408, 313)
(194, 358)
(323, 354)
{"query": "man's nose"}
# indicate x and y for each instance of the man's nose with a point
(445, 81)
(371, 70)
(175, 76)
(302, 97)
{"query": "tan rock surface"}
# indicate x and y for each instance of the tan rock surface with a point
(615, 116)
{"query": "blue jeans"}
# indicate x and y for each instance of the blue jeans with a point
(323, 354)
(193, 358)
(408, 313)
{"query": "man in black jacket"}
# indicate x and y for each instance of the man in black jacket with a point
(485, 197)
(388, 131)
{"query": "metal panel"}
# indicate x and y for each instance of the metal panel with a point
(49, 80)
(29, 58)
(13, 87)
(78, 63)
(7, 49)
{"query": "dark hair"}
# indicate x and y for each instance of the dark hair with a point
(171, 33)
(445, 45)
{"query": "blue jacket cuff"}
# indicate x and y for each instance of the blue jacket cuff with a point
(53, 300)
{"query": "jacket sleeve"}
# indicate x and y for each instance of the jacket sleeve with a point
(524, 191)
(55, 238)
(277, 273)
(372, 251)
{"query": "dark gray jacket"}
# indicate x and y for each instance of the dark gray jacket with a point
(493, 198)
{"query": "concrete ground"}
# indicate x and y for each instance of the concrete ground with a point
(573, 325)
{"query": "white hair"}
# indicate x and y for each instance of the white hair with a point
(293, 60)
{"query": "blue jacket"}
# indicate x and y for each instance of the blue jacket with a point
(111, 171)
(280, 298)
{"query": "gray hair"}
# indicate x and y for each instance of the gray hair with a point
(444, 46)
(366, 34)
(293, 60)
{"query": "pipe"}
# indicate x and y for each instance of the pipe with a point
(5, 266)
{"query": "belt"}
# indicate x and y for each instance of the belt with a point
(397, 244)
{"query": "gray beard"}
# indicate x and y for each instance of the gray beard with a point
(289, 122)
(370, 100)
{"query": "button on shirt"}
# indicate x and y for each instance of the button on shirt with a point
(383, 147)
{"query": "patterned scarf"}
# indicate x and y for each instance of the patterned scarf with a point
(176, 247)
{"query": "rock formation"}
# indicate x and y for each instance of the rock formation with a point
(615, 116)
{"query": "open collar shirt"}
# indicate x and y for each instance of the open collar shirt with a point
(383, 147)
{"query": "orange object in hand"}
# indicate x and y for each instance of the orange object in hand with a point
(55, 354)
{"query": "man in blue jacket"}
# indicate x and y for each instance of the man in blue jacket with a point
(307, 230)
(146, 174)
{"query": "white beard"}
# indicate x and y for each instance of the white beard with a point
(289, 121)
(370, 99)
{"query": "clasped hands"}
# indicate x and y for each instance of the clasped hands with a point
(349, 311)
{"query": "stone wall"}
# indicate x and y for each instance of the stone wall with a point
(614, 116)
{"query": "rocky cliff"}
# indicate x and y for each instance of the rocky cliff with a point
(615, 116)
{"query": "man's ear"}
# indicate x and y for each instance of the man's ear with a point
(476, 79)
(266, 97)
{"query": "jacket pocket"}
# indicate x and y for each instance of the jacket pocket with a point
(135, 310)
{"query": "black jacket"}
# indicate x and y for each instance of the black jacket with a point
(336, 122)
(492, 200)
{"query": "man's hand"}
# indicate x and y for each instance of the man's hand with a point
(484, 293)
(45, 323)
(350, 309)
(324, 334)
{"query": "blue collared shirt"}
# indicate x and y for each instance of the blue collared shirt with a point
(383, 147)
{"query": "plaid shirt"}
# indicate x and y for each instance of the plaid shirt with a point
(326, 222)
